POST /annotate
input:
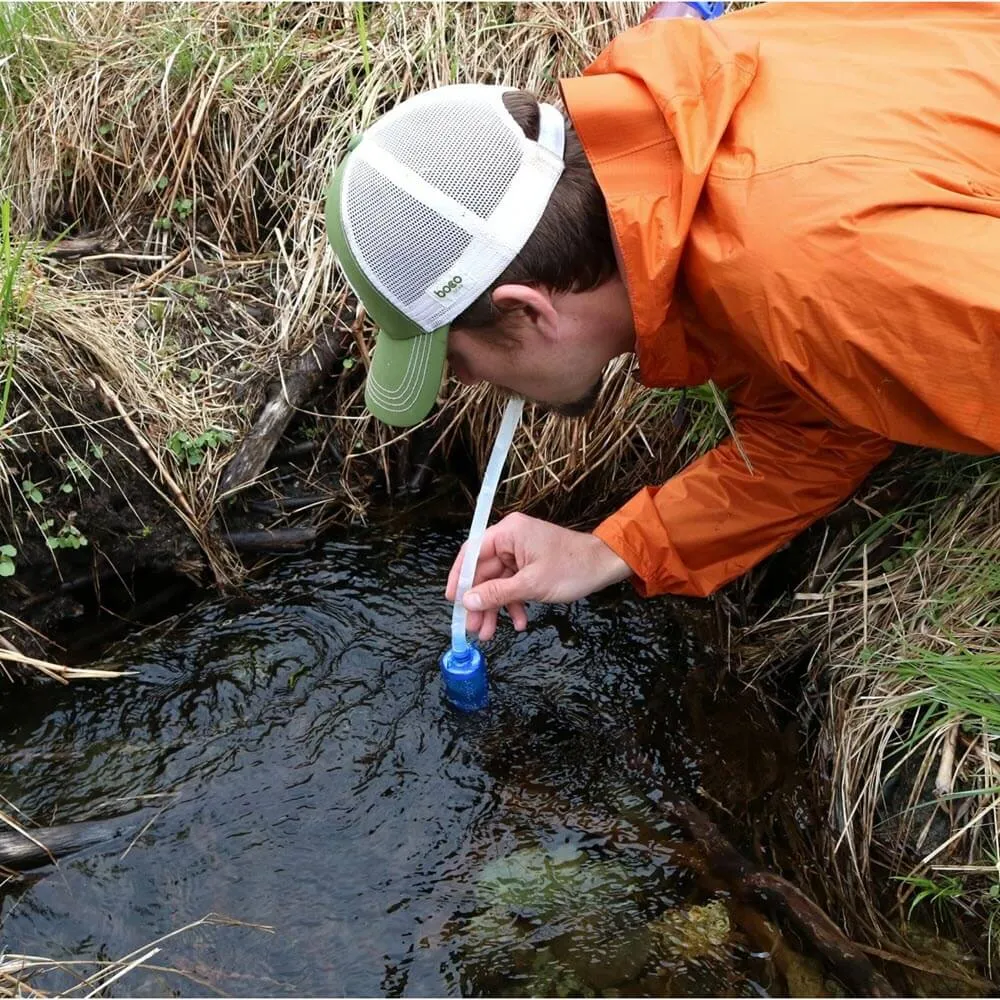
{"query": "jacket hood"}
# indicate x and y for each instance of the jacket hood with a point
(651, 111)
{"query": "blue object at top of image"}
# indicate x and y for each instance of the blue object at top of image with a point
(708, 11)
(685, 8)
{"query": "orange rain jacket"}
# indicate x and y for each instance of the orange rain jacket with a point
(806, 200)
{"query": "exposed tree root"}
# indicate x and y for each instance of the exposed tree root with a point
(725, 867)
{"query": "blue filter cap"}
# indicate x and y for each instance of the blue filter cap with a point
(464, 677)
(707, 11)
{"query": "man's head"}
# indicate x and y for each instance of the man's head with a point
(469, 223)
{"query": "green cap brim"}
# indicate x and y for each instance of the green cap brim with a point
(405, 376)
(408, 364)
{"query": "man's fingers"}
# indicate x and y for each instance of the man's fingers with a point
(489, 626)
(518, 615)
(494, 594)
(474, 621)
(488, 566)
(484, 623)
(456, 569)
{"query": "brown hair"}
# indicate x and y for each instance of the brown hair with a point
(570, 248)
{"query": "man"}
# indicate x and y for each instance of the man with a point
(798, 201)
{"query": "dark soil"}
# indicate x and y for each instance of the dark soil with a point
(137, 551)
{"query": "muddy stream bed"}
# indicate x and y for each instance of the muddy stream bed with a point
(291, 764)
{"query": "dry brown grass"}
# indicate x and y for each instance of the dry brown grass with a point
(32, 975)
(196, 140)
(905, 668)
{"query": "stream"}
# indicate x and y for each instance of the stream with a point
(293, 766)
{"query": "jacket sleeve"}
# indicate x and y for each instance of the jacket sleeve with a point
(716, 519)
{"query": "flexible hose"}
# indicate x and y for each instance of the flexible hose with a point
(484, 504)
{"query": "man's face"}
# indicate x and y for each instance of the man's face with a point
(528, 369)
(553, 348)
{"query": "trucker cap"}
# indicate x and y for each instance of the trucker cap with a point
(426, 210)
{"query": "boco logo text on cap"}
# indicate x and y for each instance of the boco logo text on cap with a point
(448, 287)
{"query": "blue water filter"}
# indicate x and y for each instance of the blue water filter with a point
(707, 11)
(685, 8)
(463, 674)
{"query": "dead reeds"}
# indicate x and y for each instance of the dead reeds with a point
(905, 665)
(33, 975)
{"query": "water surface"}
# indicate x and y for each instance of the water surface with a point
(316, 783)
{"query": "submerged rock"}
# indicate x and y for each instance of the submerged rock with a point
(603, 957)
(580, 913)
(693, 932)
(558, 883)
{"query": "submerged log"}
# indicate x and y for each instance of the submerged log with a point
(75, 247)
(287, 395)
(43, 845)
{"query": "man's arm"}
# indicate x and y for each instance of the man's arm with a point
(718, 517)
(704, 527)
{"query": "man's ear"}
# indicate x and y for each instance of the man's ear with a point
(537, 312)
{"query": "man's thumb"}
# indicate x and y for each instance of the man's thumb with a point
(493, 594)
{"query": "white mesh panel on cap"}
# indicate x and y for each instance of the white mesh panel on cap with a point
(441, 195)
(404, 245)
(449, 144)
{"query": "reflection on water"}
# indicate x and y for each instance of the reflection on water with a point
(320, 786)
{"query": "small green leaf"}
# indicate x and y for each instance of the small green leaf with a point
(66, 488)
(6, 567)
(348, 363)
(8, 550)
(31, 491)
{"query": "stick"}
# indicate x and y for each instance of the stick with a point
(276, 540)
(274, 418)
(152, 279)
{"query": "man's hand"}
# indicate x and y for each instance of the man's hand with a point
(525, 559)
